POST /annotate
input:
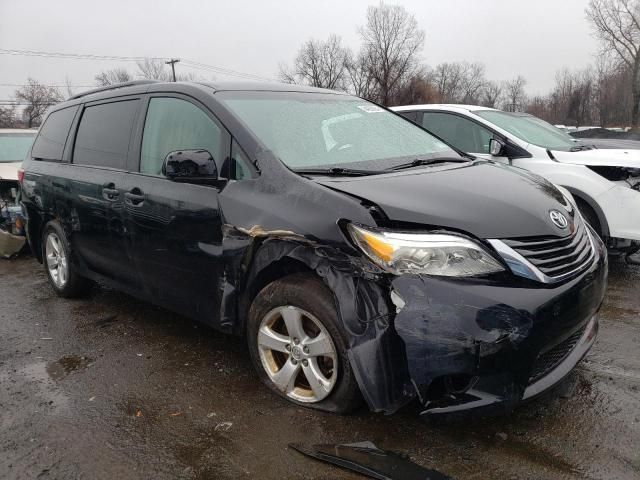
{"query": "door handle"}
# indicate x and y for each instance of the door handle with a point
(110, 192)
(134, 198)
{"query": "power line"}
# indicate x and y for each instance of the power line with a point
(46, 85)
(22, 104)
(222, 70)
(79, 56)
(76, 56)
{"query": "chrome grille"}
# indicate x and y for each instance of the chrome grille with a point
(557, 257)
(553, 357)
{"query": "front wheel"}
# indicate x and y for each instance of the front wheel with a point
(60, 271)
(297, 345)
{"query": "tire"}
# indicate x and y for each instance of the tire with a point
(589, 215)
(61, 273)
(315, 353)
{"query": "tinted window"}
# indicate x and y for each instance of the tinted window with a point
(461, 132)
(173, 124)
(53, 134)
(413, 116)
(14, 146)
(104, 134)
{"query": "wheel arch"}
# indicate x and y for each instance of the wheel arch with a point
(259, 277)
(36, 222)
(593, 204)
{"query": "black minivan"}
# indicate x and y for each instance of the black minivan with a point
(358, 254)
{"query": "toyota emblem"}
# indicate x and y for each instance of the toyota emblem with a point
(558, 219)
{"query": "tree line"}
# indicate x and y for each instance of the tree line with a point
(36, 97)
(387, 69)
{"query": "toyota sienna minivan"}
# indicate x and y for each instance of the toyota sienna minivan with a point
(360, 256)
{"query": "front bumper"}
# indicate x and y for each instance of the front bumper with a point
(616, 204)
(485, 337)
(478, 399)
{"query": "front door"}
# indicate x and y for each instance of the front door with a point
(173, 229)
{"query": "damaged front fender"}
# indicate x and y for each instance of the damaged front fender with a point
(361, 294)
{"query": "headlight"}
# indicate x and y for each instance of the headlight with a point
(429, 254)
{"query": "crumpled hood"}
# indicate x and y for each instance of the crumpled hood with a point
(482, 198)
(601, 157)
(9, 171)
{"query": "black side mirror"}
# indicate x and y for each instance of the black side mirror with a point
(190, 166)
(496, 147)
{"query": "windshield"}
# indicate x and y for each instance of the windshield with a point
(14, 146)
(311, 130)
(530, 129)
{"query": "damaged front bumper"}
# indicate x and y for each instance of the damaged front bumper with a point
(463, 344)
(558, 362)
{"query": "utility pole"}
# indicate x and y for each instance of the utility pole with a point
(173, 62)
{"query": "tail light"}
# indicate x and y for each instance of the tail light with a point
(20, 175)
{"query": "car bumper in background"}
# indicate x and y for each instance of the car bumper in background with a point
(617, 203)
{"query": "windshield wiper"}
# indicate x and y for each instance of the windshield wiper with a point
(579, 148)
(419, 162)
(338, 171)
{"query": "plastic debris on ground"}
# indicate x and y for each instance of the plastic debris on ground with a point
(369, 460)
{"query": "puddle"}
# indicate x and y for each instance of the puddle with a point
(68, 364)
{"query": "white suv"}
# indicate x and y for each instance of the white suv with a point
(604, 182)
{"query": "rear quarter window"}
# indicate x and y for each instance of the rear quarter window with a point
(104, 134)
(49, 143)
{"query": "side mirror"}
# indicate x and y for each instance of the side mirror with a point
(190, 166)
(496, 147)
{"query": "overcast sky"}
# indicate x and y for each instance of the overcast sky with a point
(533, 38)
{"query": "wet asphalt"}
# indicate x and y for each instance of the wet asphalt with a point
(110, 387)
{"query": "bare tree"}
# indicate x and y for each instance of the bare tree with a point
(7, 116)
(538, 106)
(515, 94)
(447, 79)
(472, 82)
(392, 42)
(491, 94)
(418, 90)
(613, 93)
(154, 69)
(319, 64)
(69, 88)
(110, 77)
(358, 72)
(37, 98)
(617, 24)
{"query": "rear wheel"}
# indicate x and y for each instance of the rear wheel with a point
(297, 345)
(60, 271)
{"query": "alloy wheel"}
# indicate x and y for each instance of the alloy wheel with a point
(56, 260)
(298, 354)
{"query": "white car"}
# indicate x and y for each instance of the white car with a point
(14, 145)
(604, 182)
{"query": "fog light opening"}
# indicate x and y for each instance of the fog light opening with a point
(459, 384)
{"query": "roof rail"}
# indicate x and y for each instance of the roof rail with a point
(112, 87)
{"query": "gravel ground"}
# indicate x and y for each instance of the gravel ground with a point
(110, 387)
